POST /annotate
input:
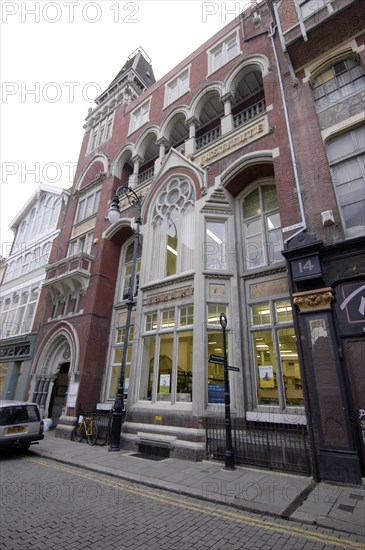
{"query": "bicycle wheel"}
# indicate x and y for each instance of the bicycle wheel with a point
(78, 433)
(92, 437)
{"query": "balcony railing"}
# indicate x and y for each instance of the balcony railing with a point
(146, 175)
(238, 120)
(209, 137)
(248, 114)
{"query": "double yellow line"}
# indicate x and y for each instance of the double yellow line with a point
(222, 513)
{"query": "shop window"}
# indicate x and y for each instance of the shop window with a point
(127, 270)
(167, 360)
(173, 230)
(117, 352)
(346, 156)
(261, 227)
(278, 378)
(215, 347)
(338, 81)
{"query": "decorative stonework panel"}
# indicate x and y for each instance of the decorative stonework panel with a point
(314, 300)
(176, 294)
(269, 288)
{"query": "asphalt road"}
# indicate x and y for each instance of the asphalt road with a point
(47, 505)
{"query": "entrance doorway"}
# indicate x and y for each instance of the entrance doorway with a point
(59, 394)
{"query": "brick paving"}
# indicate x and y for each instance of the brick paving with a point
(48, 505)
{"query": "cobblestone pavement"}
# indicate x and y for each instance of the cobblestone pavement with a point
(49, 506)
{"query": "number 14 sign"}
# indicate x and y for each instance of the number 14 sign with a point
(308, 267)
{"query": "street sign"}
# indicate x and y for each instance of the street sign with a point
(236, 369)
(217, 359)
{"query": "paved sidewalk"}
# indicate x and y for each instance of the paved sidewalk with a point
(298, 498)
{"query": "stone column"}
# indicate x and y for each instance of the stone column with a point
(227, 119)
(133, 179)
(190, 145)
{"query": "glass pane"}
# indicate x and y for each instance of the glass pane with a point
(214, 313)
(254, 252)
(354, 216)
(269, 197)
(251, 205)
(115, 378)
(215, 372)
(267, 384)
(3, 372)
(186, 316)
(253, 228)
(283, 311)
(149, 346)
(165, 368)
(215, 245)
(290, 367)
(151, 321)
(340, 147)
(184, 385)
(261, 314)
(171, 255)
(168, 318)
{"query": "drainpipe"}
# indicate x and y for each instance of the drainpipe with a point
(271, 35)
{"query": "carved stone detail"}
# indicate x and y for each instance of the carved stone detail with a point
(313, 300)
(170, 295)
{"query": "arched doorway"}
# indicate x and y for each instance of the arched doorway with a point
(59, 394)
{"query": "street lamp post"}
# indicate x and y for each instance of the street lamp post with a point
(228, 454)
(113, 215)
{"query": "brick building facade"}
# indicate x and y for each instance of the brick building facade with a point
(247, 159)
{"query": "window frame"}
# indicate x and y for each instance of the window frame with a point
(264, 233)
(180, 92)
(82, 204)
(139, 116)
(357, 154)
(101, 132)
(159, 332)
(223, 46)
(324, 101)
(273, 325)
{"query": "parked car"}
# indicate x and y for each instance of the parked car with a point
(21, 424)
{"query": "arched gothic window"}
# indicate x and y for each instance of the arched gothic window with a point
(173, 229)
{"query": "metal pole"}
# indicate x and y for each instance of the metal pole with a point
(228, 454)
(118, 409)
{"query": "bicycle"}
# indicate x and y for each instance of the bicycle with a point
(85, 427)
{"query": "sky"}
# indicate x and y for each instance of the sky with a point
(57, 56)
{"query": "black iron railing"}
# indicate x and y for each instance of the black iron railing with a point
(267, 445)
